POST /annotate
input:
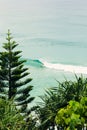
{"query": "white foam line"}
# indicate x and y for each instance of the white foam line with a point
(67, 68)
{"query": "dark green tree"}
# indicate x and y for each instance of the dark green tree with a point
(14, 80)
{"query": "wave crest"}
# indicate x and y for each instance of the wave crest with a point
(66, 68)
(58, 66)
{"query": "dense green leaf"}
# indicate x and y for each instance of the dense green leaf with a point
(13, 74)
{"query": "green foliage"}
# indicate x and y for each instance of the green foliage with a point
(10, 118)
(14, 81)
(74, 116)
(47, 109)
(57, 98)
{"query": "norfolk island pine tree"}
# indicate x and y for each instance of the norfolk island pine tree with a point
(14, 81)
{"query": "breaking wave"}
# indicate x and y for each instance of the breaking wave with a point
(58, 66)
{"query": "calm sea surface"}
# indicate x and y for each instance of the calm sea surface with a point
(49, 32)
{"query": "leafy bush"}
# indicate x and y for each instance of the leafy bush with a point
(10, 118)
(56, 100)
(74, 116)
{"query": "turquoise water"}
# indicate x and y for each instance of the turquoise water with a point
(52, 31)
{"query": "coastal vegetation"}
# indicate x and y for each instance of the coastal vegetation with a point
(61, 108)
(10, 117)
(14, 80)
(58, 102)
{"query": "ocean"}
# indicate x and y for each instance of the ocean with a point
(52, 35)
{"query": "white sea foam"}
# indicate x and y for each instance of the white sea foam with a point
(66, 68)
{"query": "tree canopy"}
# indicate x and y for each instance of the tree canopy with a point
(14, 77)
